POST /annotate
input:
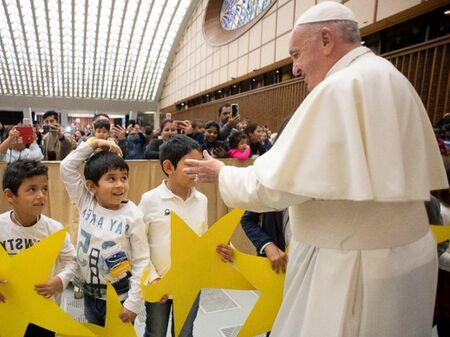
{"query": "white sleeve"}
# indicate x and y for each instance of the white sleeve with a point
(140, 260)
(239, 188)
(35, 153)
(70, 171)
(67, 262)
(153, 275)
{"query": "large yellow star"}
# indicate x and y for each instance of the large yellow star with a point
(23, 305)
(196, 265)
(258, 271)
(441, 233)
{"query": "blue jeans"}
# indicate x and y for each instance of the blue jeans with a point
(157, 319)
(94, 310)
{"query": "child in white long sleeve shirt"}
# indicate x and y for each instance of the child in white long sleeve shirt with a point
(25, 187)
(112, 244)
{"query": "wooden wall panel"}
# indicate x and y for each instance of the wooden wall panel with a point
(426, 65)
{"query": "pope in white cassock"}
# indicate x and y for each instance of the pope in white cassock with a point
(354, 165)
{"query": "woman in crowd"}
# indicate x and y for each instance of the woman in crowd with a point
(168, 129)
(215, 147)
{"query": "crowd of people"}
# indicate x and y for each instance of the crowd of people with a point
(52, 142)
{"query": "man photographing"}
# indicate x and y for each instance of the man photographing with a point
(355, 169)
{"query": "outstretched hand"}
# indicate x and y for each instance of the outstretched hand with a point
(204, 171)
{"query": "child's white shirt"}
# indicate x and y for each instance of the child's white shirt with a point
(100, 228)
(156, 205)
(15, 238)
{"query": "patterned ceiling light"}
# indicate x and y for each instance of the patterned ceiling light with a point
(95, 49)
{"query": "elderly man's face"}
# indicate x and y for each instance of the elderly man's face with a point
(306, 56)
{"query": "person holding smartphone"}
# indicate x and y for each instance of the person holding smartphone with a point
(57, 144)
(13, 149)
(228, 120)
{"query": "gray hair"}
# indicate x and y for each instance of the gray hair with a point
(346, 29)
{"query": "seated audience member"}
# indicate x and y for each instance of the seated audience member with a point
(215, 147)
(26, 180)
(117, 132)
(11, 149)
(135, 142)
(253, 131)
(57, 144)
(239, 147)
(227, 123)
(168, 129)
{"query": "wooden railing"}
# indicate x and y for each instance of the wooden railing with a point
(425, 65)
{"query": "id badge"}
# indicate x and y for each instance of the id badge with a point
(116, 262)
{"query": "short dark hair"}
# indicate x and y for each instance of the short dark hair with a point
(250, 128)
(97, 116)
(101, 163)
(164, 122)
(176, 148)
(226, 105)
(19, 170)
(102, 124)
(236, 138)
(213, 124)
(195, 122)
(50, 113)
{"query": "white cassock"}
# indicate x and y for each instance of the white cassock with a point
(355, 164)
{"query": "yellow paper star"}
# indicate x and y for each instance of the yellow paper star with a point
(196, 265)
(441, 233)
(23, 305)
(258, 271)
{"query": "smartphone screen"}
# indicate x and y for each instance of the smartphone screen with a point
(234, 110)
(117, 121)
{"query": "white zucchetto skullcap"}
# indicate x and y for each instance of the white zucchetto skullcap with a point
(326, 11)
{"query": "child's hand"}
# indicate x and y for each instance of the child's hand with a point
(2, 297)
(106, 145)
(126, 315)
(277, 257)
(225, 252)
(163, 299)
(53, 285)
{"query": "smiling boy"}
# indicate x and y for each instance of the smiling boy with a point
(112, 244)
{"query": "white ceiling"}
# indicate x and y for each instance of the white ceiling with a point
(94, 50)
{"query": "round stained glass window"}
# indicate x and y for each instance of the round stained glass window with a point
(237, 13)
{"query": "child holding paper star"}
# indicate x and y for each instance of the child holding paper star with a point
(25, 187)
(178, 194)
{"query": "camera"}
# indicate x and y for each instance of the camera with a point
(26, 134)
(234, 110)
(45, 128)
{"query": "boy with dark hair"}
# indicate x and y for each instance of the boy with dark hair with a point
(112, 243)
(178, 194)
(101, 131)
(25, 187)
(57, 144)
